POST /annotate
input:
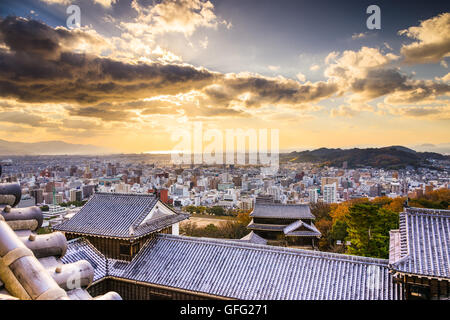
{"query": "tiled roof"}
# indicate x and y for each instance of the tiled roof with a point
(303, 233)
(118, 215)
(253, 238)
(424, 244)
(282, 211)
(291, 229)
(249, 271)
(288, 230)
(265, 227)
(81, 249)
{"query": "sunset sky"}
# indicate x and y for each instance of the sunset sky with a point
(138, 69)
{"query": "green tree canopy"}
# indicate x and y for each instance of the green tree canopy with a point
(368, 229)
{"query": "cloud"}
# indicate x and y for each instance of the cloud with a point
(331, 57)
(352, 64)
(433, 40)
(429, 112)
(445, 78)
(379, 82)
(363, 72)
(350, 110)
(369, 74)
(50, 70)
(301, 77)
(104, 3)
(204, 43)
(32, 37)
(418, 92)
(39, 67)
(387, 46)
(253, 90)
(102, 112)
(81, 124)
(359, 35)
(314, 67)
(40, 64)
(19, 117)
(182, 16)
(273, 68)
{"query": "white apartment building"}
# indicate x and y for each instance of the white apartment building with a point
(313, 195)
(330, 193)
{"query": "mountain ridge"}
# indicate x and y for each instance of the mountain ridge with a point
(391, 157)
(52, 147)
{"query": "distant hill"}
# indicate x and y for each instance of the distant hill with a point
(393, 157)
(49, 148)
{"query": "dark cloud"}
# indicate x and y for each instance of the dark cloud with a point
(379, 82)
(41, 70)
(19, 117)
(268, 91)
(100, 112)
(399, 87)
(39, 64)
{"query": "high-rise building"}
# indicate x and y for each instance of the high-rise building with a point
(75, 195)
(330, 193)
(58, 198)
(313, 195)
(329, 180)
(38, 195)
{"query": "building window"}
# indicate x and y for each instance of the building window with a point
(417, 292)
(124, 249)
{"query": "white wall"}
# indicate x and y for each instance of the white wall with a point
(176, 229)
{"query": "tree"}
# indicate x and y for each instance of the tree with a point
(340, 211)
(396, 204)
(324, 226)
(339, 231)
(244, 218)
(368, 229)
(216, 210)
(320, 210)
(211, 230)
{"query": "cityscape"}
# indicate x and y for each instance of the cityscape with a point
(54, 180)
(218, 150)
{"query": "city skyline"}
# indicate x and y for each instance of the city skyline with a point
(137, 70)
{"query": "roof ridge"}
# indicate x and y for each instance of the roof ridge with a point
(126, 194)
(427, 211)
(316, 254)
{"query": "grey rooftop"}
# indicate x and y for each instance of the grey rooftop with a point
(241, 270)
(422, 244)
(282, 211)
(119, 215)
